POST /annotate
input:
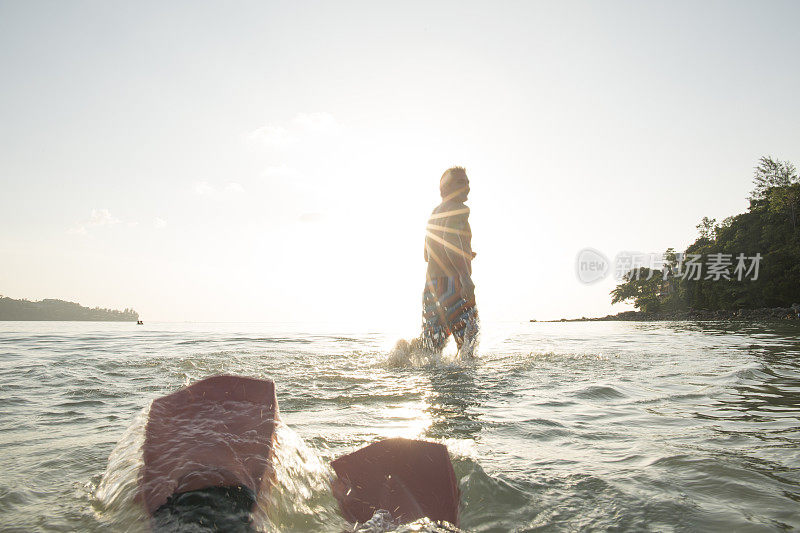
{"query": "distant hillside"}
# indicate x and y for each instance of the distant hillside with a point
(48, 309)
(752, 259)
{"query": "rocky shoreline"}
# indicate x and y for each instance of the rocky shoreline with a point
(764, 313)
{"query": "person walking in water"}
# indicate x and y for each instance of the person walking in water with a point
(448, 301)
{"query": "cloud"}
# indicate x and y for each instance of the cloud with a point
(280, 172)
(271, 136)
(204, 188)
(98, 218)
(77, 229)
(102, 217)
(302, 127)
(159, 223)
(310, 217)
(317, 123)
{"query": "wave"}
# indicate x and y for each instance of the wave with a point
(599, 392)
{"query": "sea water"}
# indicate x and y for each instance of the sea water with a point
(669, 426)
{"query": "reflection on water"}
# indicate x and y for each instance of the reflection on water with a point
(568, 426)
(452, 403)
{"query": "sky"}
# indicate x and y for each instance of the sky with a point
(277, 161)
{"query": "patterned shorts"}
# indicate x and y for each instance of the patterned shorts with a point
(446, 312)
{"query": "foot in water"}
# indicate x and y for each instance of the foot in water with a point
(410, 352)
(417, 351)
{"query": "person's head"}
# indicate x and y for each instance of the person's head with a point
(454, 184)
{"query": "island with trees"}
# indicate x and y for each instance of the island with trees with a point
(49, 309)
(746, 267)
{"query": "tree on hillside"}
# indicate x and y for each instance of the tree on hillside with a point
(707, 228)
(770, 173)
(777, 182)
(643, 287)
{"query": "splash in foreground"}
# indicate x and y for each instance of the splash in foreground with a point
(211, 455)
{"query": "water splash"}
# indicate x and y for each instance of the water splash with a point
(413, 353)
(300, 498)
(418, 352)
(114, 499)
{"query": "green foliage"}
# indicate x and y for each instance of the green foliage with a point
(707, 228)
(771, 174)
(643, 286)
(769, 227)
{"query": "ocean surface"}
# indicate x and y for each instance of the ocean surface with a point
(599, 426)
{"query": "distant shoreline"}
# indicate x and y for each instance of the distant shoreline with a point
(764, 313)
(50, 310)
(65, 320)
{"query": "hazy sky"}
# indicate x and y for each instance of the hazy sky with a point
(277, 161)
